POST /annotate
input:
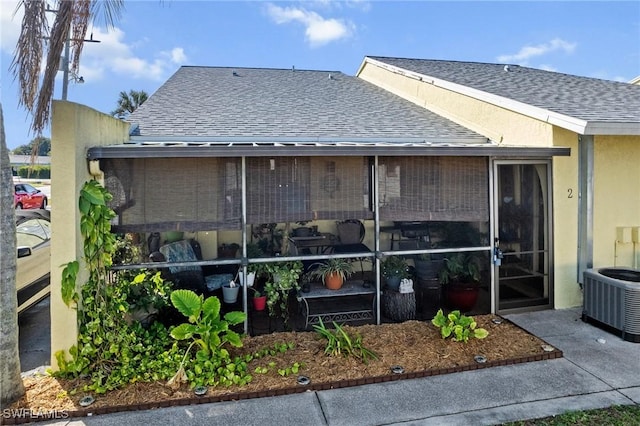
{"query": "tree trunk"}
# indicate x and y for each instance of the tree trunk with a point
(11, 387)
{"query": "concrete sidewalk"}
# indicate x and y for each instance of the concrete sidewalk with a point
(591, 374)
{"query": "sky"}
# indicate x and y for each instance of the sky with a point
(153, 38)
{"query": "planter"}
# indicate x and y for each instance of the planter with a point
(393, 283)
(228, 250)
(427, 269)
(230, 294)
(251, 276)
(333, 281)
(461, 296)
(259, 303)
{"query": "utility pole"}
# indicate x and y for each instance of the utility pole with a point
(64, 66)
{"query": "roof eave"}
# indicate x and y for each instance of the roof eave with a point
(191, 149)
(574, 124)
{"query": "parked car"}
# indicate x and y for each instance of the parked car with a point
(33, 234)
(28, 197)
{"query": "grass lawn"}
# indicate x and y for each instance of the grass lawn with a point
(619, 415)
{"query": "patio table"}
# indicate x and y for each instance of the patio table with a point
(338, 310)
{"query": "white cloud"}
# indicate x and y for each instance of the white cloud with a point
(318, 30)
(528, 52)
(176, 55)
(547, 67)
(115, 55)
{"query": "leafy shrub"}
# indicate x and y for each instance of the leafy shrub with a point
(339, 342)
(458, 326)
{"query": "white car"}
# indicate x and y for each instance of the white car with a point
(33, 234)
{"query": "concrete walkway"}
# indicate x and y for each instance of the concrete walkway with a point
(592, 374)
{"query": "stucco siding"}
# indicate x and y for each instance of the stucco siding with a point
(616, 198)
(74, 129)
(494, 122)
(565, 222)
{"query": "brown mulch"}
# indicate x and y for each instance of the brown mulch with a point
(416, 346)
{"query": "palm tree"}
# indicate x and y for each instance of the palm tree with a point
(71, 21)
(129, 102)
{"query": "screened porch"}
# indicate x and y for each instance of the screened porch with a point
(291, 208)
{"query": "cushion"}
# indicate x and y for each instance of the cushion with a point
(184, 276)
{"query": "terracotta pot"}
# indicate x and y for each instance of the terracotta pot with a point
(333, 281)
(461, 296)
(259, 303)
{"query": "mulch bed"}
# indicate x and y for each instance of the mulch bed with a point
(406, 350)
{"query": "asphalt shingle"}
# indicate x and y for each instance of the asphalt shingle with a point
(585, 98)
(258, 102)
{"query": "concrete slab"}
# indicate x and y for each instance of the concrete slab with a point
(632, 393)
(613, 360)
(543, 325)
(452, 394)
(35, 338)
(527, 410)
(291, 410)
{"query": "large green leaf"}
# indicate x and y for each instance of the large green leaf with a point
(187, 302)
(183, 331)
(235, 317)
(93, 194)
(211, 308)
(480, 333)
(234, 338)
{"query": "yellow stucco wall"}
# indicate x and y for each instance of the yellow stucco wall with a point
(496, 123)
(567, 292)
(74, 128)
(616, 199)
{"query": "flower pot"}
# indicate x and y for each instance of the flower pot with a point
(333, 281)
(230, 294)
(461, 296)
(393, 283)
(427, 269)
(251, 276)
(259, 303)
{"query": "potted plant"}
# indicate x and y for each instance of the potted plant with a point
(146, 292)
(230, 292)
(460, 278)
(426, 267)
(332, 272)
(394, 269)
(228, 250)
(282, 280)
(259, 300)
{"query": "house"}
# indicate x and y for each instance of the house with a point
(539, 169)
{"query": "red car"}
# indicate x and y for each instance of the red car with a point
(28, 197)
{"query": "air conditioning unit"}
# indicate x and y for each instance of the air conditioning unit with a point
(612, 300)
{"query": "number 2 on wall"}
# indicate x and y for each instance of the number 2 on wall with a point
(569, 193)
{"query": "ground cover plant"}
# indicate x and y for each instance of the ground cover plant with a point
(119, 363)
(617, 415)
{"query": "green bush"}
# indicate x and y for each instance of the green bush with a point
(35, 172)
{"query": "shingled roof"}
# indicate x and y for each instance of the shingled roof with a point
(227, 103)
(582, 104)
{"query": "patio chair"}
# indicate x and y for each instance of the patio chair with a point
(350, 236)
(189, 277)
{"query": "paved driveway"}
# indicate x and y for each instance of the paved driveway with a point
(35, 337)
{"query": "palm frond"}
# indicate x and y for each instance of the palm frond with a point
(29, 51)
(79, 26)
(59, 35)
